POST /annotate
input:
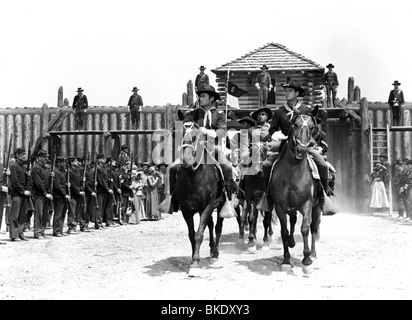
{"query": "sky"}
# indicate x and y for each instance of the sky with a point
(108, 47)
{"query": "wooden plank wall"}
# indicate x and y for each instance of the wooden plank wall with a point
(27, 124)
(310, 81)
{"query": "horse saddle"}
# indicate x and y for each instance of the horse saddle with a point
(312, 165)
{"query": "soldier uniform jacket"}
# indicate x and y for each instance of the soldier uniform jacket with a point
(18, 183)
(80, 102)
(41, 180)
(330, 78)
(396, 96)
(102, 179)
(59, 184)
(218, 120)
(201, 80)
(126, 183)
(264, 79)
(89, 181)
(135, 100)
(282, 117)
(75, 183)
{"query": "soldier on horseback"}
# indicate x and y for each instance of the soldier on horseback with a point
(281, 120)
(212, 122)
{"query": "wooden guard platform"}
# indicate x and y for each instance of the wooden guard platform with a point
(101, 132)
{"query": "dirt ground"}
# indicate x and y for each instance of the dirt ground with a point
(360, 256)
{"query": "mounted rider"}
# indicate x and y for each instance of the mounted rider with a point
(211, 122)
(282, 120)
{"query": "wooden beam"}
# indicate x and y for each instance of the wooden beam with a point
(101, 132)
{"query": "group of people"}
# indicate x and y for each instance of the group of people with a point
(86, 194)
(265, 126)
(401, 186)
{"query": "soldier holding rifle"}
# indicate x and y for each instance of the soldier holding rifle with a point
(60, 198)
(4, 181)
(41, 194)
(20, 195)
(103, 190)
(111, 199)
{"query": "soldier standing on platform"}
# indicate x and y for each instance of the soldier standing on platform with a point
(135, 105)
(331, 83)
(202, 79)
(80, 105)
(264, 85)
(41, 194)
(396, 100)
(60, 198)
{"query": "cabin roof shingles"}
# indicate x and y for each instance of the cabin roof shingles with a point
(275, 56)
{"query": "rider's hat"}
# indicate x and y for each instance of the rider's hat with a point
(295, 85)
(255, 113)
(248, 120)
(210, 90)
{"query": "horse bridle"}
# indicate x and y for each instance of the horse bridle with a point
(188, 131)
(296, 138)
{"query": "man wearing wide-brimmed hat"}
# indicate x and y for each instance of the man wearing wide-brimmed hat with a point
(124, 155)
(135, 105)
(202, 79)
(264, 85)
(80, 105)
(331, 83)
(396, 100)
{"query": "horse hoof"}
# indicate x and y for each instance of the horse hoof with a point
(286, 268)
(307, 269)
(251, 249)
(194, 272)
(215, 263)
(265, 247)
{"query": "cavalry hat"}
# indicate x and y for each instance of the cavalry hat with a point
(135, 89)
(100, 156)
(383, 155)
(210, 90)
(330, 65)
(264, 67)
(396, 83)
(161, 164)
(125, 146)
(255, 113)
(19, 151)
(145, 164)
(248, 120)
(42, 153)
(60, 159)
(202, 68)
(296, 85)
(70, 159)
(80, 90)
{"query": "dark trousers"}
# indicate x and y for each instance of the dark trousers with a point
(41, 211)
(263, 95)
(17, 216)
(135, 116)
(396, 115)
(330, 90)
(76, 214)
(2, 206)
(101, 199)
(108, 209)
(71, 214)
(60, 209)
(80, 118)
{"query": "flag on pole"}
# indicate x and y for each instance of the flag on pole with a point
(233, 94)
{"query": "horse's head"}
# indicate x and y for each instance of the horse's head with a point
(303, 129)
(190, 142)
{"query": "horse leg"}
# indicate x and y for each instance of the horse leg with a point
(245, 219)
(306, 222)
(314, 229)
(191, 229)
(218, 231)
(211, 235)
(292, 217)
(286, 266)
(252, 228)
(240, 224)
(267, 225)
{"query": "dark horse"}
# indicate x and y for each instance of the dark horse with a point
(293, 189)
(198, 189)
(254, 187)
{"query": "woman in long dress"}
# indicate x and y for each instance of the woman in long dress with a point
(379, 198)
(152, 200)
(138, 210)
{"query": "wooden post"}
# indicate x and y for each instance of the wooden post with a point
(364, 161)
(190, 98)
(351, 84)
(45, 122)
(357, 94)
(184, 99)
(60, 97)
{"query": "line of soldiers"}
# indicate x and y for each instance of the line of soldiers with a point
(85, 191)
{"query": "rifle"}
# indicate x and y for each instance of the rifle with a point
(111, 185)
(84, 183)
(51, 182)
(30, 206)
(68, 178)
(5, 176)
(95, 181)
